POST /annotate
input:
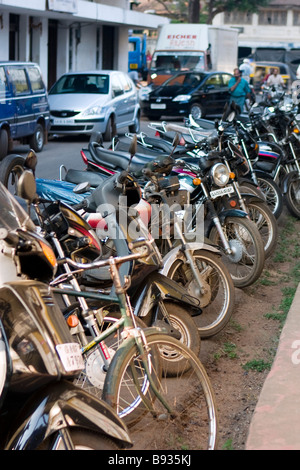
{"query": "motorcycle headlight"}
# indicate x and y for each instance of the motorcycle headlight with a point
(220, 174)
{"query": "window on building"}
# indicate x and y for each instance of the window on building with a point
(272, 17)
(238, 17)
(296, 18)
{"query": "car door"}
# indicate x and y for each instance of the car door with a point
(225, 95)
(119, 100)
(7, 104)
(22, 98)
(130, 97)
(212, 97)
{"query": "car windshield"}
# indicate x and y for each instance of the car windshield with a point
(178, 61)
(186, 80)
(81, 83)
(12, 215)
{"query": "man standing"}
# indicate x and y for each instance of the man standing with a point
(275, 79)
(246, 69)
(239, 89)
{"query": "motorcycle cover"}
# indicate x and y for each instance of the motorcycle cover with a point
(55, 190)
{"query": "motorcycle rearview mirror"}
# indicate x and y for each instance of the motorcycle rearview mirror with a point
(132, 149)
(82, 188)
(31, 161)
(27, 187)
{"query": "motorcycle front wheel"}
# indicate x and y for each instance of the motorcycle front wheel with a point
(217, 296)
(246, 260)
(81, 439)
(292, 198)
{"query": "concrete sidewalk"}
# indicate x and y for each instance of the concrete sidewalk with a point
(275, 423)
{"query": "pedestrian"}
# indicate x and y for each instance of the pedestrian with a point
(148, 59)
(135, 77)
(246, 69)
(275, 79)
(239, 89)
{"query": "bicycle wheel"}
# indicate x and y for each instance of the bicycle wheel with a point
(217, 296)
(191, 419)
(247, 259)
(266, 223)
(92, 377)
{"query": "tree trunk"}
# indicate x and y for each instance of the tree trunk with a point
(194, 11)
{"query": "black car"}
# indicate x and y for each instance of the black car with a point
(197, 93)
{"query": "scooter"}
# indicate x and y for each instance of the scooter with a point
(40, 408)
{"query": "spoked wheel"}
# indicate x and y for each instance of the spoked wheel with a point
(273, 195)
(266, 223)
(217, 296)
(246, 260)
(183, 412)
(292, 198)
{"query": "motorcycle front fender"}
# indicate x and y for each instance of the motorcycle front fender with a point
(177, 254)
(158, 286)
(223, 215)
(288, 179)
(62, 406)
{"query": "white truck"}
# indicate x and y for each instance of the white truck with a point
(198, 47)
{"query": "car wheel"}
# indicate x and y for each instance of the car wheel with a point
(37, 140)
(196, 110)
(111, 130)
(3, 143)
(135, 128)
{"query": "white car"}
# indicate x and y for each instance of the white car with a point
(95, 101)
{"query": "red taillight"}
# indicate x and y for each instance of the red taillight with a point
(157, 134)
(84, 158)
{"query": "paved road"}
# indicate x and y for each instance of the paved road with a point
(64, 151)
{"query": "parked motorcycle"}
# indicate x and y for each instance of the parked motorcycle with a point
(39, 406)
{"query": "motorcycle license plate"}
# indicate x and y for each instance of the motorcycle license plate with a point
(221, 192)
(71, 357)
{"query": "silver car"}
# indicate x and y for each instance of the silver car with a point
(97, 101)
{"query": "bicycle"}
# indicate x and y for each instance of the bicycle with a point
(141, 381)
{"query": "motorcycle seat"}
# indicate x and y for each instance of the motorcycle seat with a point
(119, 160)
(78, 176)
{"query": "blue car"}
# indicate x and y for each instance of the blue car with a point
(24, 108)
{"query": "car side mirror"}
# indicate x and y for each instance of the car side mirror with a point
(117, 92)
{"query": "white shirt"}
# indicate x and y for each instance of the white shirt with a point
(275, 80)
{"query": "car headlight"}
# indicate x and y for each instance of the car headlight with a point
(182, 98)
(220, 174)
(93, 111)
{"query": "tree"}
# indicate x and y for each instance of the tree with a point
(214, 7)
(204, 11)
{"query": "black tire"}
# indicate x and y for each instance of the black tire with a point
(136, 127)
(3, 143)
(182, 321)
(11, 169)
(37, 140)
(83, 439)
(246, 263)
(266, 223)
(272, 193)
(110, 130)
(218, 299)
(187, 395)
(197, 111)
(292, 198)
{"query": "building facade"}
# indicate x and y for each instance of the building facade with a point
(70, 35)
